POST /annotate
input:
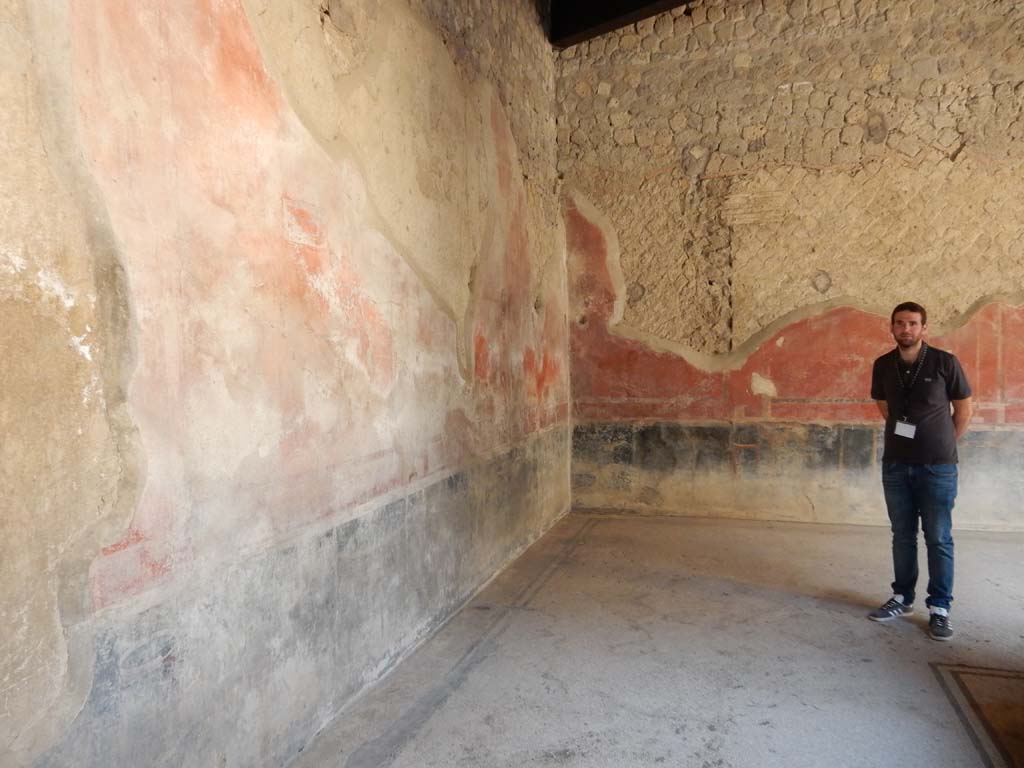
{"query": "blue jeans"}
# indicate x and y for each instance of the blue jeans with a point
(925, 492)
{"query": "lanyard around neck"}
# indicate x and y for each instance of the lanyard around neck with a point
(917, 368)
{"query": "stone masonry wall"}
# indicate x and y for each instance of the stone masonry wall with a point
(762, 158)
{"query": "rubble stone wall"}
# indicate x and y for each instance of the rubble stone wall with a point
(760, 158)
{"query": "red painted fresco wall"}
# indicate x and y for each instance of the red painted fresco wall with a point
(820, 366)
(291, 365)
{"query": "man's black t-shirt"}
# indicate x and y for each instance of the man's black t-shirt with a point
(925, 404)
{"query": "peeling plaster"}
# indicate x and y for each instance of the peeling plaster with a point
(416, 133)
(13, 262)
(82, 348)
(259, 267)
(858, 167)
(781, 435)
(51, 285)
(763, 386)
(737, 358)
(209, 273)
(63, 417)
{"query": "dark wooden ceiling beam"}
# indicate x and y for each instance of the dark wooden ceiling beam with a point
(573, 21)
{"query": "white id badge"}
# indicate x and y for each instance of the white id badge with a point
(905, 429)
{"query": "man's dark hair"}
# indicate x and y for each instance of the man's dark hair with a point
(910, 306)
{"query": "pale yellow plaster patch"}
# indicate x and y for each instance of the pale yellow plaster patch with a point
(761, 385)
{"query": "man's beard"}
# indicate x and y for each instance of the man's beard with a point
(907, 344)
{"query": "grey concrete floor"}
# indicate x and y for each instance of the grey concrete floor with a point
(631, 641)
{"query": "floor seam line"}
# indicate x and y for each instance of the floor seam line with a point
(382, 750)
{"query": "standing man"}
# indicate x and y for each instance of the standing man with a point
(925, 400)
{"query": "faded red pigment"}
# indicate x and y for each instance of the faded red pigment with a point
(618, 379)
(253, 275)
